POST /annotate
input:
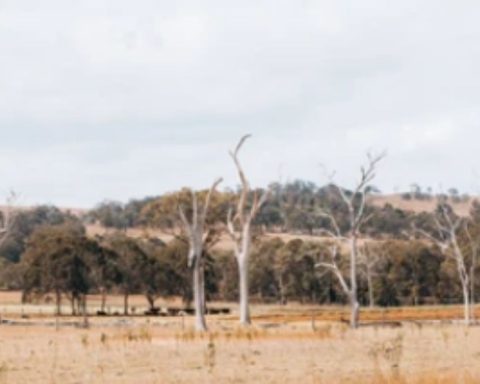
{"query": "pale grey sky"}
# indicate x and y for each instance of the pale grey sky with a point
(118, 99)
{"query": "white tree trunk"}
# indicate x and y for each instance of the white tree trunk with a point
(355, 307)
(198, 299)
(466, 301)
(202, 286)
(103, 292)
(371, 297)
(244, 290)
(355, 314)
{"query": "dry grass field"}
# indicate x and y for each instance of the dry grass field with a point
(285, 345)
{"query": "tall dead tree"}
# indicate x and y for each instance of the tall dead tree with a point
(197, 233)
(355, 202)
(445, 234)
(239, 225)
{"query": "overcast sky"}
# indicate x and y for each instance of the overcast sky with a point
(119, 99)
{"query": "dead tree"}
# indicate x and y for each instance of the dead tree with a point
(239, 225)
(369, 258)
(355, 202)
(7, 217)
(197, 232)
(474, 243)
(447, 228)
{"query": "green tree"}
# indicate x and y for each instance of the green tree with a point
(131, 264)
(55, 261)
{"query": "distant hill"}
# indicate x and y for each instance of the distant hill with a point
(462, 208)
(397, 200)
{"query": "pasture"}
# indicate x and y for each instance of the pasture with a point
(292, 344)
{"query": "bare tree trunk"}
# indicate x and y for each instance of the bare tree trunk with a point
(125, 304)
(202, 286)
(85, 312)
(282, 290)
(472, 292)
(79, 304)
(244, 291)
(151, 302)
(72, 303)
(58, 299)
(197, 235)
(104, 300)
(466, 301)
(355, 314)
(353, 284)
(463, 274)
(371, 297)
(368, 259)
(84, 305)
(199, 301)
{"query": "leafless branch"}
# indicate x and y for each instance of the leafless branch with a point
(245, 185)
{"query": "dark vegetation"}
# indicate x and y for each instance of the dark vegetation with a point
(47, 253)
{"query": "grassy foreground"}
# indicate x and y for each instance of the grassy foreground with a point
(283, 346)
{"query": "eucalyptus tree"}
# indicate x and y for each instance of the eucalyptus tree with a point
(370, 256)
(105, 272)
(130, 261)
(239, 225)
(355, 202)
(198, 231)
(447, 232)
(56, 261)
(7, 215)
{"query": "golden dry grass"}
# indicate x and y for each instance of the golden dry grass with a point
(283, 346)
(161, 352)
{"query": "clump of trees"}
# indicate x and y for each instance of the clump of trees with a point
(116, 215)
(61, 260)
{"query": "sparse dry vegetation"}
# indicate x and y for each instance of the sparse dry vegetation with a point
(275, 350)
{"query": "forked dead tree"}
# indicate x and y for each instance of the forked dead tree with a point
(355, 202)
(197, 233)
(239, 225)
(446, 232)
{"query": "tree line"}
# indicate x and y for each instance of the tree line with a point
(61, 261)
(364, 254)
(292, 207)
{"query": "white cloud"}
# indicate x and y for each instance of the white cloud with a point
(105, 98)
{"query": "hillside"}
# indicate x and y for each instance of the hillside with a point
(462, 208)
